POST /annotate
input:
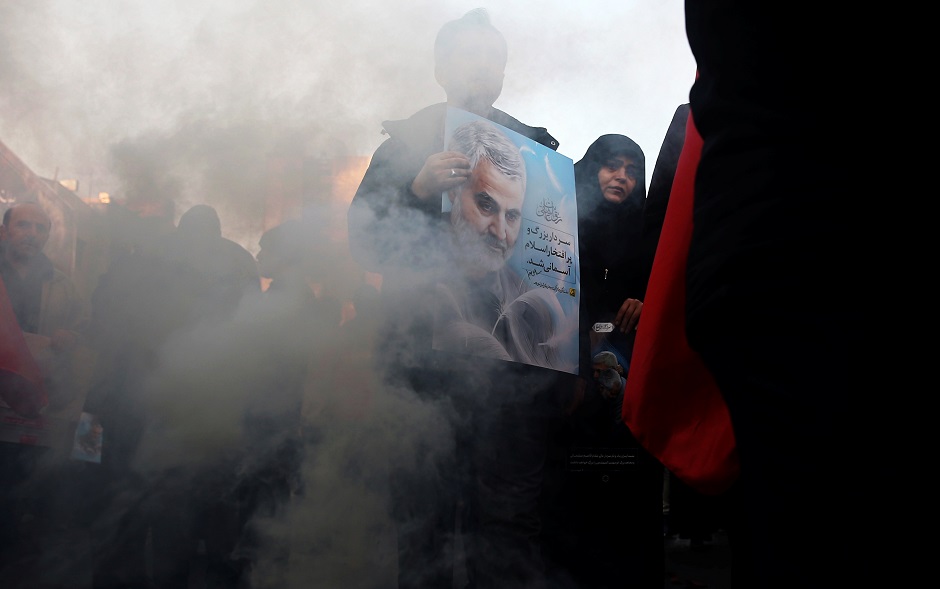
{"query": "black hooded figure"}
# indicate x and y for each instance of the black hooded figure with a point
(609, 235)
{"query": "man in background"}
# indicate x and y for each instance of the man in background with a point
(51, 313)
(44, 298)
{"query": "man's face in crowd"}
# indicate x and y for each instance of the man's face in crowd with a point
(486, 215)
(473, 73)
(26, 232)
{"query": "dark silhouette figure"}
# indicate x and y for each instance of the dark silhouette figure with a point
(474, 444)
(763, 233)
(157, 311)
(286, 336)
(37, 508)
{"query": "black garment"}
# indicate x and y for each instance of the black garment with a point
(692, 514)
(279, 335)
(42, 506)
(173, 294)
(609, 237)
(126, 329)
(778, 214)
(211, 274)
(657, 198)
(43, 517)
(480, 456)
(605, 514)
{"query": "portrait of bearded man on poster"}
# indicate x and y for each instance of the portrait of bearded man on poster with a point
(488, 307)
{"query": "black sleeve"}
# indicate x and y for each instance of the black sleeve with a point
(389, 227)
(660, 187)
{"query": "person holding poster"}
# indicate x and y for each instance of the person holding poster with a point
(473, 430)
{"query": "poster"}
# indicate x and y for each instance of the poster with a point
(514, 290)
(88, 439)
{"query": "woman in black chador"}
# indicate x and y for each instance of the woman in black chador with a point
(611, 192)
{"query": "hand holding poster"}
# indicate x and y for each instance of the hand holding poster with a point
(514, 291)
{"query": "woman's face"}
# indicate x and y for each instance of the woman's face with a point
(617, 178)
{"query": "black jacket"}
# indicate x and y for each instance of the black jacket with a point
(664, 172)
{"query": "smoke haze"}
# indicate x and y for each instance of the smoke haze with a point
(208, 89)
(190, 98)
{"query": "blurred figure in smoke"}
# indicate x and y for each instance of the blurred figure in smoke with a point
(130, 319)
(44, 299)
(228, 271)
(354, 375)
(34, 512)
(170, 292)
(292, 327)
(483, 443)
(207, 277)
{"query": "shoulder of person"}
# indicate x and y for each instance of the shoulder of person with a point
(539, 134)
(238, 252)
(424, 126)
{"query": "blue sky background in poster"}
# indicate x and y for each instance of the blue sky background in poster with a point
(546, 250)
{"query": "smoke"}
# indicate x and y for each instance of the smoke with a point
(80, 78)
(192, 100)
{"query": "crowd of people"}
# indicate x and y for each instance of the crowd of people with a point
(219, 377)
(193, 406)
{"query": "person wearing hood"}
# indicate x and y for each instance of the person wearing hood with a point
(484, 448)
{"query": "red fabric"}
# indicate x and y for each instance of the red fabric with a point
(671, 403)
(21, 385)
